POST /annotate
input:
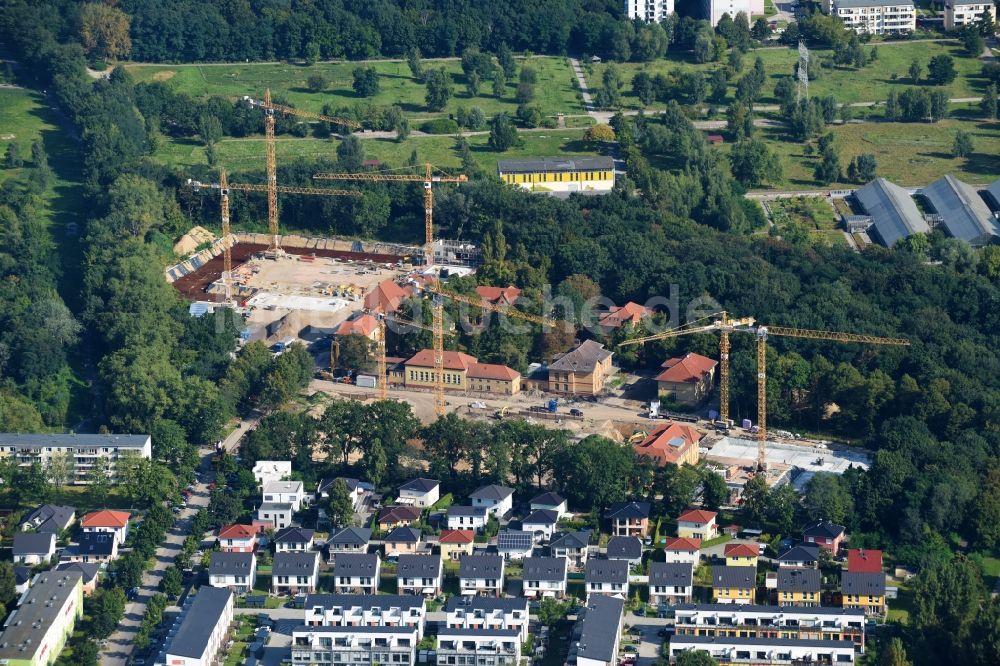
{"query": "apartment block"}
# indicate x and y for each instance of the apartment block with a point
(203, 629)
(476, 647)
(875, 17)
(366, 610)
(964, 12)
(84, 450)
(649, 10)
(37, 629)
(354, 646)
(487, 614)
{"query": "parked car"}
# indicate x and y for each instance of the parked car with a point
(576, 412)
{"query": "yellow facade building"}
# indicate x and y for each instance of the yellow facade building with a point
(741, 555)
(594, 175)
(461, 372)
(734, 585)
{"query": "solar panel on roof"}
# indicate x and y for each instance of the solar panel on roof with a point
(514, 540)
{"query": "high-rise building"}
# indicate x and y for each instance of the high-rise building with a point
(649, 10)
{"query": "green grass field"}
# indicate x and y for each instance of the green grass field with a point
(848, 85)
(907, 153)
(812, 216)
(554, 91)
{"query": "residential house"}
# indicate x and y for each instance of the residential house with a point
(485, 613)
(874, 17)
(628, 549)
(581, 371)
(238, 538)
(799, 557)
(628, 518)
(606, 577)
(285, 492)
(650, 11)
(497, 500)
(476, 646)
(112, 522)
(670, 583)
(541, 523)
(864, 590)
(402, 541)
(574, 546)
(349, 540)
(295, 572)
(682, 549)
(515, 544)
(386, 297)
(697, 524)
(815, 624)
(27, 450)
(354, 646)
(799, 587)
(99, 547)
(544, 577)
(23, 577)
(89, 574)
(391, 517)
(37, 630)
(958, 13)
(864, 560)
(233, 571)
(599, 628)
(551, 502)
(687, 380)
(481, 575)
(268, 471)
(356, 488)
(499, 295)
(741, 554)
(294, 539)
(734, 585)
(765, 650)
(277, 515)
(670, 444)
(366, 610)
(631, 314)
(420, 492)
(825, 535)
(364, 325)
(455, 544)
(356, 574)
(32, 548)
(419, 574)
(467, 518)
(49, 519)
(203, 630)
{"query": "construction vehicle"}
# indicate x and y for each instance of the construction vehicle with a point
(224, 187)
(428, 179)
(270, 149)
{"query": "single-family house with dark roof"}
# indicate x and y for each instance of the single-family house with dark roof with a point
(628, 549)
(798, 587)
(349, 540)
(32, 548)
(49, 518)
(420, 492)
(233, 571)
(628, 518)
(295, 572)
(549, 501)
(574, 546)
(541, 523)
(481, 575)
(294, 539)
(864, 590)
(390, 517)
(402, 541)
(497, 500)
(515, 544)
(606, 577)
(100, 547)
(467, 518)
(800, 556)
(670, 583)
(544, 577)
(734, 585)
(419, 574)
(355, 573)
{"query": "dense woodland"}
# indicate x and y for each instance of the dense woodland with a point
(929, 413)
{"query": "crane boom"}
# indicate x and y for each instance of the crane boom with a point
(832, 335)
(380, 344)
(284, 189)
(492, 307)
(267, 104)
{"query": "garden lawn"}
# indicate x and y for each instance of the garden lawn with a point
(554, 90)
(813, 216)
(868, 84)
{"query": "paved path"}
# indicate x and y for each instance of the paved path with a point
(588, 102)
(120, 644)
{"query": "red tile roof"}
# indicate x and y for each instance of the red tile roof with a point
(741, 550)
(452, 360)
(457, 536)
(106, 518)
(697, 516)
(501, 295)
(492, 371)
(689, 368)
(238, 532)
(386, 297)
(864, 560)
(668, 442)
(682, 543)
(364, 325)
(630, 313)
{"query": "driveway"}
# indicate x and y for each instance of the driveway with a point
(120, 644)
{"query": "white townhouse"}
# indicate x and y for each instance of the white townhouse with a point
(356, 573)
(285, 492)
(492, 647)
(295, 572)
(233, 571)
(487, 613)
(366, 610)
(467, 518)
(497, 500)
(419, 574)
(419, 492)
(544, 577)
(481, 575)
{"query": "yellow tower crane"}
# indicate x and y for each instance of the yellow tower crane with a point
(762, 333)
(428, 179)
(224, 187)
(270, 148)
(439, 295)
(383, 319)
(724, 325)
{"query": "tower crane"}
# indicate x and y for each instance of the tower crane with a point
(438, 295)
(724, 325)
(224, 187)
(270, 149)
(762, 333)
(428, 179)
(383, 319)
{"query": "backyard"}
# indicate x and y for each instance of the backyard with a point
(811, 216)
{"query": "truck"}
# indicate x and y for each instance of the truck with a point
(367, 381)
(553, 405)
(281, 346)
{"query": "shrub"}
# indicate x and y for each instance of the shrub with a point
(439, 126)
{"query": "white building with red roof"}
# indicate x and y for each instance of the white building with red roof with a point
(687, 380)
(682, 549)
(697, 524)
(106, 520)
(238, 538)
(670, 443)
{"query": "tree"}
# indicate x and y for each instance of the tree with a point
(506, 60)
(941, 70)
(172, 583)
(594, 473)
(439, 89)
(915, 70)
(753, 163)
(106, 609)
(499, 83)
(12, 158)
(828, 169)
(962, 146)
(415, 64)
(311, 54)
(696, 658)
(973, 42)
(761, 29)
(209, 129)
(986, 24)
(41, 159)
(365, 81)
(599, 133)
(524, 93)
(8, 584)
(946, 598)
(104, 31)
(826, 498)
(893, 654)
(714, 490)
(642, 87)
(61, 468)
(989, 102)
(755, 498)
(551, 611)
(340, 508)
(317, 82)
(85, 652)
(503, 134)
(862, 168)
(472, 83)
(98, 478)
(350, 153)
